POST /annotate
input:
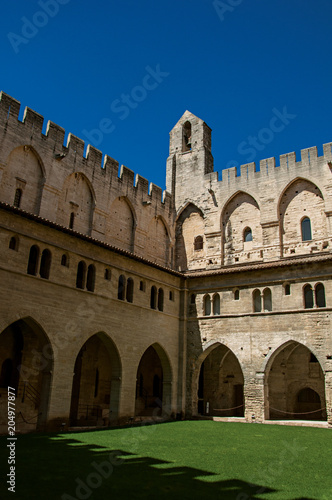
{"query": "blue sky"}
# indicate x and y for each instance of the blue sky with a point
(120, 74)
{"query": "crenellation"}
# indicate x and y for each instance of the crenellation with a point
(75, 145)
(327, 148)
(267, 166)
(309, 155)
(55, 133)
(33, 119)
(127, 176)
(142, 185)
(94, 156)
(155, 192)
(9, 107)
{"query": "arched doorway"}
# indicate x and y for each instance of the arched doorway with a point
(153, 383)
(220, 384)
(26, 363)
(96, 383)
(295, 388)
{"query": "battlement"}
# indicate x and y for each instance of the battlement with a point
(32, 127)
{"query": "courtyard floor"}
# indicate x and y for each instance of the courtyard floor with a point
(178, 460)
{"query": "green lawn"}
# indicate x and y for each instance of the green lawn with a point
(178, 460)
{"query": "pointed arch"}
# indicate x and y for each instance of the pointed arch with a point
(190, 224)
(158, 241)
(121, 224)
(241, 229)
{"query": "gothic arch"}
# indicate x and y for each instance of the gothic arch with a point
(158, 241)
(24, 173)
(76, 203)
(301, 199)
(190, 224)
(121, 224)
(239, 213)
(96, 382)
(289, 369)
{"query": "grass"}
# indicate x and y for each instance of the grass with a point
(178, 460)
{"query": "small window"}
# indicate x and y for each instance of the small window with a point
(91, 278)
(45, 264)
(237, 295)
(142, 286)
(198, 243)
(160, 299)
(13, 243)
(18, 198)
(257, 301)
(153, 298)
(71, 220)
(186, 137)
(65, 260)
(130, 290)
(193, 298)
(267, 299)
(216, 305)
(306, 229)
(207, 305)
(171, 295)
(308, 297)
(107, 274)
(320, 295)
(33, 260)
(287, 289)
(80, 277)
(247, 235)
(121, 287)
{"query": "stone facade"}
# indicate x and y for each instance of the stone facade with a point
(120, 301)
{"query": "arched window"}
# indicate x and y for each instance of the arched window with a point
(130, 290)
(287, 289)
(216, 304)
(267, 299)
(6, 373)
(33, 260)
(91, 278)
(108, 274)
(320, 295)
(142, 286)
(171, 295)
(308, 297)
(257, 302)
(80, 277)
(198, 243)
(153, 298)
(13, 244)
(18, 198)
(65, 260)
(207, 305)
(237, 295)
(45, 264)
(247, 234)
(122, 287)
(160, 299)
(306, 229)
(186, 137)
(71, 220)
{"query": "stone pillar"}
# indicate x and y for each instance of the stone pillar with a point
(254, 398)
(328, 395)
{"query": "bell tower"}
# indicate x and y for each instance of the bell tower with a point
(190, 157)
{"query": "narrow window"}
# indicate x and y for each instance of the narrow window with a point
(193, 298)
(108, 274)
(91, 278)
(267, 298)
(287, 289)
(45, 264)
(216, 305)
(64, 260)
(320, 295)
(237, 295)
(186, 137)
(306, 229)
(142, 286)
(308, 297)
(96, 382)
(33, 260)
(171, 295)
(160, 299)
(80, 277)
(13, 244)
(122, 287)
(130, 290)
(207, 305)
(71, 220)
(18, 198)
(247, 235)
(198, 243)
(153, 298)
(257, 301)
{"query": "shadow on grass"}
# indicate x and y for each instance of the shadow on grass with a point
(54, 467)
